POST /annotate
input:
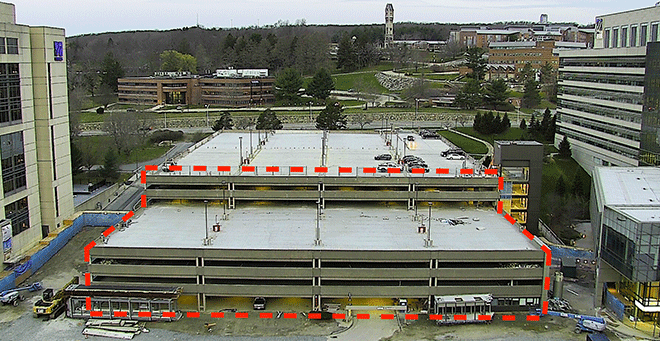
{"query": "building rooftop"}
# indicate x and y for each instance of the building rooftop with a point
(304, 149)
(629, 185)
(343, 227)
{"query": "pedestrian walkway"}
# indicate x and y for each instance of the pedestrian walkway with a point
(368, 329)
(491, 150)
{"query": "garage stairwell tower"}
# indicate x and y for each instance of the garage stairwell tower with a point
(389, 25)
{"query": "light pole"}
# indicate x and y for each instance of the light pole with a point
(224, 204)
(396, 154)
(317, 241)
(240, 147)
(206, 222)
(416, 196)
(207, 114)
(428, 242)
(165, 118)
(251, 152)
(415, 117)
(310, 112)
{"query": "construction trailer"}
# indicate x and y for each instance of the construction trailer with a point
(133, 303)
(463, 308)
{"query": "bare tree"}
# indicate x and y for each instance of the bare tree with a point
(90, 155)
(361, 119)
(243, 122)
(123, 129)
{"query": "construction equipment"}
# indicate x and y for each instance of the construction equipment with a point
(13, 297)
(51, 305)
(585, 323)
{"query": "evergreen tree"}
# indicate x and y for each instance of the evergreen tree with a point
(496, 126)
(496, 94)
(476, 62)
(531, 97)
(110, 170)
(111, 70)
(347, 58)
(321, 85)
(550, 130)
(268, 121)
(506, 123)
(332, 117)
(533, 125)
(470, 95)
(487, 123)
(560, 188)
(523, 124)
(545, 121)
(76, 159)
(477, 125)
(564, 148)
(287, 85)
(224, 122)
(578, 185)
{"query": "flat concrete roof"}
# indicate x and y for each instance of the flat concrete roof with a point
(629, 185)
(343, 227)
(304, 149)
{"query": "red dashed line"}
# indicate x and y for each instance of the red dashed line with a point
(362, 316)
(224, 168)
(491, 171)
(546, 284)
(369, 170)
(175, 168)
(500, 206)
(500, 183)
(87, 248)
(199, 168)
(435, 317)
(127, 216)
(169, 314)
(108, 231)
(247, 169)
(466, 171)
(418, 171)
(442, 171)
(273, 169)
(265, 315)
(528, 234)
(320, 169)
(297, 169)
(337, 316)
(241, 315)
(88, 303)
(510, 219)
(387, 316)
(144, 314)
(460, 317)
(88, 279)
(143, 177)
(122, 314)
(192, 314)
(314, 316)
(548, 255)
(533, 318)
(394, 170)
(508, 317)
(545, 307)
(412, 316)
(345, 170)
(290, 315)
(484, 317)
(151, 167)
(96, 314)
(217, 315)
(143, 201)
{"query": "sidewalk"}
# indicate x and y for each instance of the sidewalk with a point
(491, 150)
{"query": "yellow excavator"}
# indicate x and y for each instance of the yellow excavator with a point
(52, 305)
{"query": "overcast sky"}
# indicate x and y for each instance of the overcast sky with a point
(94, 16)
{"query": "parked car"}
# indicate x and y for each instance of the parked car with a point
(382, 168)
(410, 138)
(418, 165)
(455, 157)
(383, 157)
(167, 164)
(429, 135)
(259, 303)
(452, 151)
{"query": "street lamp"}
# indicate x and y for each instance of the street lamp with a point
(415, 117)
(206, 222)
(317, 241)
(416, 196)
(224, 203)
(428, 242)
(251, 152)
(240, 147)
(310, 112)
(207, 114)
(165, 118)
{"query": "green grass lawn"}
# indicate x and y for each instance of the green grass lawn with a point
(99, 145)
(470, 146)
(511, 134)
(358, 81)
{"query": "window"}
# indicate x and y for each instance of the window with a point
(624, 36)
(606, 39)
(10, 94)
(13, 163)
(654, 32)
(633, 36)
(19, 214)
(12, 45)
(615, 37)
(643, 35)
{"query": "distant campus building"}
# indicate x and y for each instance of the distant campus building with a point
(225, 88)
(609, 96)
(37, 185)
